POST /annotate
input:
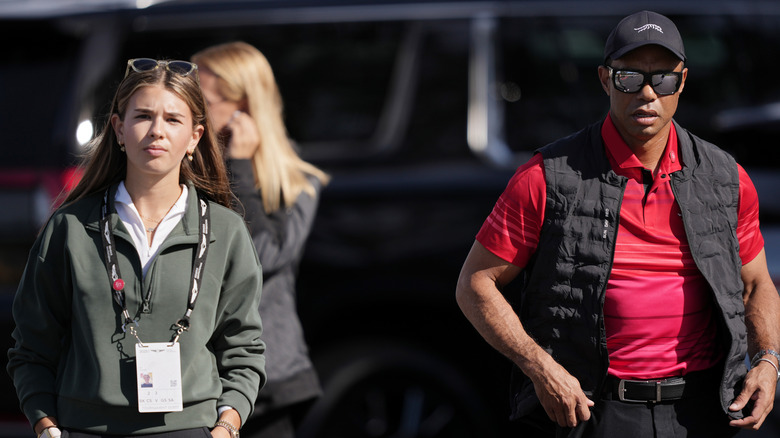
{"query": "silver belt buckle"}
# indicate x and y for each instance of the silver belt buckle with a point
(622, 392)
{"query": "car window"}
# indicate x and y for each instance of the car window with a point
(34, 93)
(549, 85)
(437, 127)
(727, 96)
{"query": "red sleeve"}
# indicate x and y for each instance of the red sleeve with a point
(751, 242)
(512, 230)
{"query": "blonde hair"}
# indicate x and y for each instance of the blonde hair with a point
(104, 164)
(243, 72)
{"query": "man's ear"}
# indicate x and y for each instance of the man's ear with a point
(604, 78)
(684, 76)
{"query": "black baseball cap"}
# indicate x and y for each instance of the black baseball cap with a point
(640, 29)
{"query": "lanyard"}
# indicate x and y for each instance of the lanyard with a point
(118, 285)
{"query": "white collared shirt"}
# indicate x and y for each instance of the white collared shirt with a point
(135, 225)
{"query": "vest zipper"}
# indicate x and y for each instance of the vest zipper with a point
(602, 327)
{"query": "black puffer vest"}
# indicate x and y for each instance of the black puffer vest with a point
(562, 297)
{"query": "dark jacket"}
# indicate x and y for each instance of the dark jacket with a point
(563, 295)
(73, 361)
(280, 239)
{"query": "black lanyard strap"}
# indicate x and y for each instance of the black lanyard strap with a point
(183, 324)
(118, 285)
(112, 266)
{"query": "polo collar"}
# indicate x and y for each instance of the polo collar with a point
(622, 157)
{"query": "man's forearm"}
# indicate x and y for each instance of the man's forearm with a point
(762, 306)
(762, 318)
(495, 320)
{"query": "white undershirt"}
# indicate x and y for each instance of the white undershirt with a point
(135, 225)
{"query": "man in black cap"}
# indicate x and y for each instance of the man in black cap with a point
(643, 277)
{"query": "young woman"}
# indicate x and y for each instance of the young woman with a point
(278, 192)
(136, 314)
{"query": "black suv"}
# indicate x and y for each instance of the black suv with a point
(421, 111)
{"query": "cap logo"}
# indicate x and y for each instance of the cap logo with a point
(649, 26)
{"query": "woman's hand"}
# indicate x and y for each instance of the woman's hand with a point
(229, 416)
(244, 138)
(220, 432)
(44, 423)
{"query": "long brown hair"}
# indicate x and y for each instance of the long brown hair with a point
(104, 164)
(243, 72)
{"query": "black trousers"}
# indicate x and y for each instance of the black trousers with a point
(694, 417)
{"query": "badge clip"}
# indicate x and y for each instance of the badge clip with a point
(181, 327)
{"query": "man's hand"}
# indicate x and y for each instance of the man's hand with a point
(762, 311)
(561, 396)
(760, 386)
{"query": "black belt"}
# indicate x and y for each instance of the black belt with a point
(655, 391)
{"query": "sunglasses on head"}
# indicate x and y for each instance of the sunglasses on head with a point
(139, 65)
(632, 81)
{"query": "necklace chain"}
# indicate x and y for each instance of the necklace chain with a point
(158, 221)
(151, 229)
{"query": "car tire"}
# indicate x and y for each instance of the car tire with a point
(374, 389)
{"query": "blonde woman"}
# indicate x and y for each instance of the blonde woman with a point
(278, 192)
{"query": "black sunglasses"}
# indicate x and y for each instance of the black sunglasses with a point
(632, 81)
(139, 65)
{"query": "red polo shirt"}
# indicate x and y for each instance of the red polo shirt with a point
(658, 308)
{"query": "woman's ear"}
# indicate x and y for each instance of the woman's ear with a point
(119, 128)
(197, 133)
